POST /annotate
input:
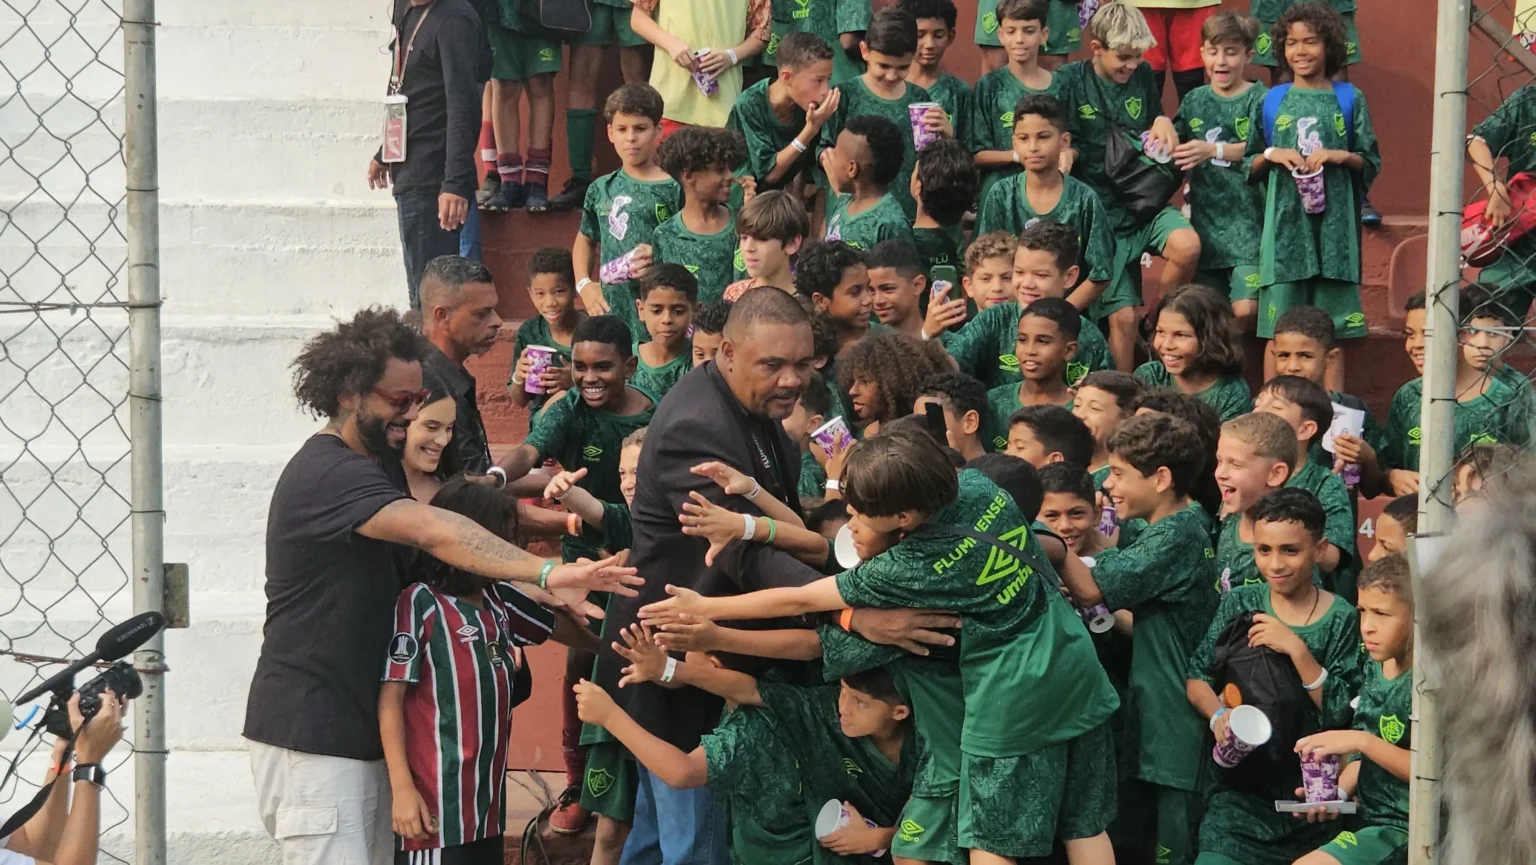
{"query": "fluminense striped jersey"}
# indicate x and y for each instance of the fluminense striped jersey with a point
(457, 658)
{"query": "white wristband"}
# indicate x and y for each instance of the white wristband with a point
(731, 52)
(800, 146)
(1016, 157)
(500, 473)
(748, 527)
(582, 283)
(670, 671)
(834, 486)
(1321, 678)
(756, 488)
(1269, 154)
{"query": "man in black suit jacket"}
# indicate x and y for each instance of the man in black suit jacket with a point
(727, 411)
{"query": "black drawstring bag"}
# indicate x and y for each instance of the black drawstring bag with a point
(1267, 681)
(556, 20)
(1143, 185)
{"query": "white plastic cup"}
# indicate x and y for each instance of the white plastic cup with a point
(832, 817)
(540, 358)
(842, 547)
(1248, 728)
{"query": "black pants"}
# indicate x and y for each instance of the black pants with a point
(421, 237)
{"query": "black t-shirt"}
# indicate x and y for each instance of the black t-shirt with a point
(330, 604)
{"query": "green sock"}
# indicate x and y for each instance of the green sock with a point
(580, 129)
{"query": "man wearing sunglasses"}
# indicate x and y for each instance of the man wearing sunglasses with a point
(338, 530)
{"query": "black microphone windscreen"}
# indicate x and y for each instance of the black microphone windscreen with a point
(129, 635)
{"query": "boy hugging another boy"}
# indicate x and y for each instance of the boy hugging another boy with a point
(1316, 635)
(1166, 579)
(1021, 786)
(1116, 93)
(1215, 123)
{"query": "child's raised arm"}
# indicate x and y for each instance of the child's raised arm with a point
(821, 596)
(664, 760)
(562, 488)
(703, 518)
(648, 662)
(690, 634)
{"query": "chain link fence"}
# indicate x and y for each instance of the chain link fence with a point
(1495, 412)
(66, 548)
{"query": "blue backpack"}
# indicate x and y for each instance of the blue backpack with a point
(1342, 91)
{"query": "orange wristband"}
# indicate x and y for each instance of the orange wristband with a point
(573, 525)
(845, 619)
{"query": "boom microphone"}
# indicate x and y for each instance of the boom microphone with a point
(117, 642)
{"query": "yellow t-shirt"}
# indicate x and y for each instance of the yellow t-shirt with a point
(713, 24)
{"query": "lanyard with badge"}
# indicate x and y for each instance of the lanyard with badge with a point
(395, 103)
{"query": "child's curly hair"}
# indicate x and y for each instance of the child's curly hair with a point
(898, 364)
(700, 148)
(1328, 26)
(492, 511)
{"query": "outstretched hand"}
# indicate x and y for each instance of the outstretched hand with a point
(647, 661)
(702, 518)
(604, 575)
(732, 480)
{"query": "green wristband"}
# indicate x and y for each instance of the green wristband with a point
(773, 530)
(544, 573)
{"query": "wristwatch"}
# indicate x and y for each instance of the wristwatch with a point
(90, 772)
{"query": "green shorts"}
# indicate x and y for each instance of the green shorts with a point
(1341, 300)
(610, 25)
(1125, 285)
(1512, 277)
(928, 830)
(1237, 283)
(1177, 824)
(986, 24)
(609, 786)
(1369, 845)
(515, 57)
(1264, 47)
(1019, 806)
(1065, 36)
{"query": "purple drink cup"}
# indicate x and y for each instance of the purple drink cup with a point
(1314, 192)
(707, 83)
(1350, 475)
(1085, 10)
(1320, 778)
(922, 136)
(540, 358)
(1108, 520)
(1154, 150)
(1247, 728)
(621, 269)
(832, 437)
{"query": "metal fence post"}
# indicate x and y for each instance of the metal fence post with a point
(141, 154)
(1437, 419)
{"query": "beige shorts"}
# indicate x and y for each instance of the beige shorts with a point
(324, 810)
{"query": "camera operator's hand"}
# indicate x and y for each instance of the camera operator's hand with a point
(102, 732)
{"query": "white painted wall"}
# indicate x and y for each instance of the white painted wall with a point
(268, 115)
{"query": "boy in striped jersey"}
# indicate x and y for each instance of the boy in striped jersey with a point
(445, 709)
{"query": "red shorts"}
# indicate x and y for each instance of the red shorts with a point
(1178, 36)
(670, 126)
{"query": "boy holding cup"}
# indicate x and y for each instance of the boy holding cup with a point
(1318, 633)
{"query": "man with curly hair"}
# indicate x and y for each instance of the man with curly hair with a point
(339, 519)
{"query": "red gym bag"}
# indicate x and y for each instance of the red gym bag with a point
(1481, 243)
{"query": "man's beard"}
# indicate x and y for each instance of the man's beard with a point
(374, 431)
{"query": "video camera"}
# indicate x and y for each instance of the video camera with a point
(120, 678)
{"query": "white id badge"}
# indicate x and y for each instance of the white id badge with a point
(394, 128)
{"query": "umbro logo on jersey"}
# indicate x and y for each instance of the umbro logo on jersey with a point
(468, 632)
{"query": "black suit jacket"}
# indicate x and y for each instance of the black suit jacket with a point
(699, 420)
